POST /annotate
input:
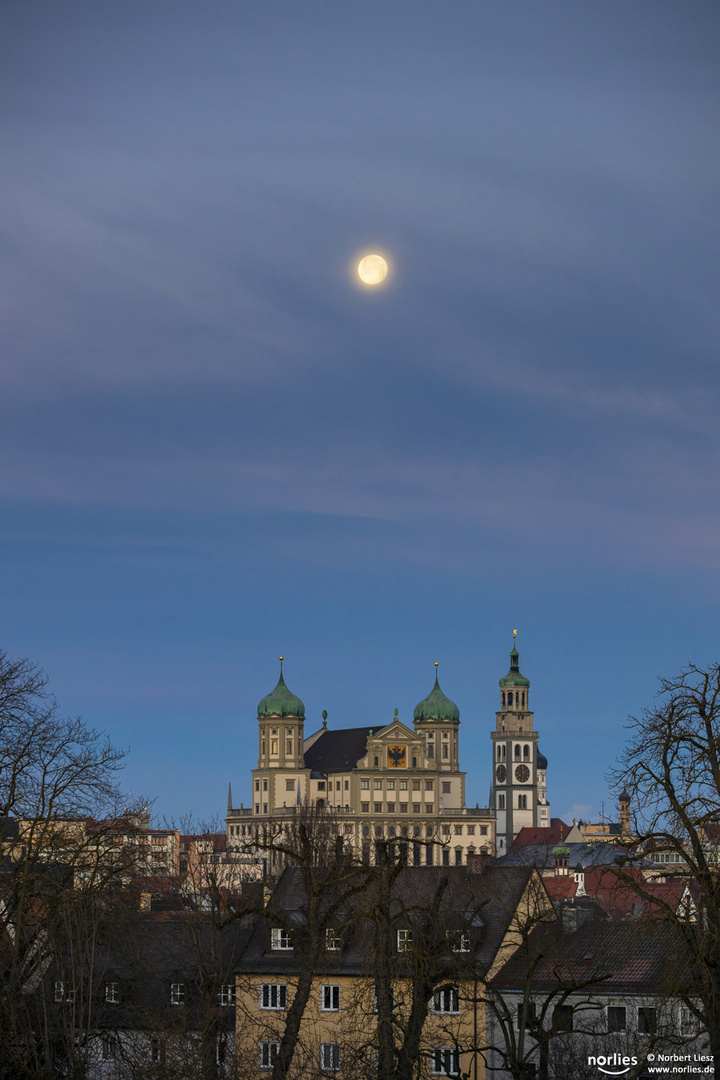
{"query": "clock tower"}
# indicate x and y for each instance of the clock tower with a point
(518, 790)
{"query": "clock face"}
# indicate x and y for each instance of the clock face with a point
(522, 774)
(397, 757)
(501, 773)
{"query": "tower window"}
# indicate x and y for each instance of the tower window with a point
(503, 751)
(517, 751)
(509, 697)
(526, 753)
(501, 802)
(503, 699)
(523, 699)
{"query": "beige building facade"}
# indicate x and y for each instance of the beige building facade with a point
(388, 781)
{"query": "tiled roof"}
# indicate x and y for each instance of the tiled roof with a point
(544, 834)
(614, 957)
(484, 902)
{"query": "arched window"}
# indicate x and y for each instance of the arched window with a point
(499, 752)
(523, 704)
(503, 699)
(504, 751)
(517, 751)
(526, 752)
(509, 697)
(501, 802)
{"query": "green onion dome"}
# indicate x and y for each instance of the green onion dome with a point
(436, 706)
(513, 677)
(281, 702)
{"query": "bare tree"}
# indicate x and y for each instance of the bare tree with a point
(56, 774)
(671, 771)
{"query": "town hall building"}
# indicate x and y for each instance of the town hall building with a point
(393, 781)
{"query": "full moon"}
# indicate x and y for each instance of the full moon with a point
(372, 269)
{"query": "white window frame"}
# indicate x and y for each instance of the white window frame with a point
(330, 1057)
(177, 993)
(446, 1001)
(459, 940)
(280, 940)
(272, 997)
(226, 994)
(404, 940)
(330, 997)
(267, 1051)
(112, 993)
(445, 1061)
(333, 940)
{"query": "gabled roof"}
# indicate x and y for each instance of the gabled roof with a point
(544, 834)
(486, 902)
(612, 957)
(338, 751)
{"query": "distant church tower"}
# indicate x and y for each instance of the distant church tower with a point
(518, 792)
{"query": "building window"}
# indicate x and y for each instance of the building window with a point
(458, 856)
(458, 940)
(257, 785)
(364, 807)
(446, 1002)
(280, 939)
(265, 785)
(647, 1020)
(330, 998)
(517, 751)
(522, 802)
(414, 763)
(416, 807)
(376, 761)
(430, 751)
(403, 807)
(365, 784)
(289, 785)
(391, 785)
(458, 830)
(403, 785)
(64, 993)
(177, 993)
(158, 1049)
(445, 1061)
(446, 787)
(273, 746)
(226, 994)
(483, 830)
(529, 1016)
(109, 1047)
(378, 785)
(378, 807)
(501, 802)
(329, 1057)
(404, 940)
(112, 993)
(288, 748)
(265, 806)
(445, 750)
(562, 1018)
(272, 996)
(446, 830)
(526, 753)
(347, 785)
(333, 940)
(446, 858)
(267, 1052)
(428, 785)
(391, 808)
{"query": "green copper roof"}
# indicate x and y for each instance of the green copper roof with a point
(513, 677)
(436, 706)
(281, 702)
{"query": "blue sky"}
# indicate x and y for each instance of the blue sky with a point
(219, 449)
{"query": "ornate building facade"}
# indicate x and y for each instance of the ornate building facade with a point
(519, 787)
(389, 781)
(395, 781)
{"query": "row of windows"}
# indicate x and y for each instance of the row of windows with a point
(522, 802)
(444, 1060)
(617, 1018)
(429, 830)
(518, 698)
(402, 808)
(524, 756)
(402, 785)
(67, 994)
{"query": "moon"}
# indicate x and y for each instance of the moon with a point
(372, 269)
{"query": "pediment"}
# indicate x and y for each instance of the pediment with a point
(394, 732)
